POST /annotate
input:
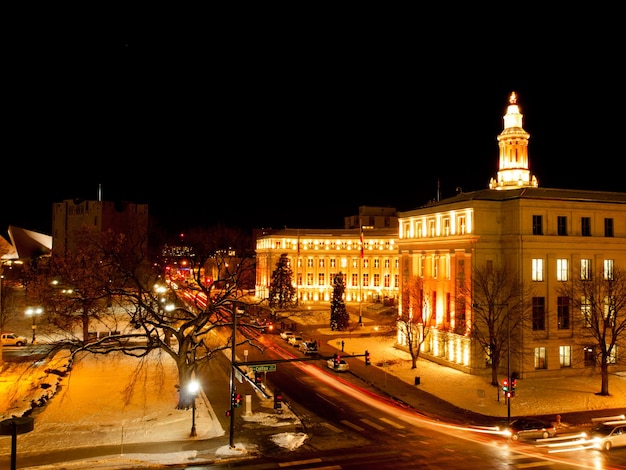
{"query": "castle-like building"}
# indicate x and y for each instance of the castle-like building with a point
(544, 236)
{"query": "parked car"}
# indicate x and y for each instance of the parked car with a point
(609, 434)
(531, 428)
(341, 367)
(11, 339)
(286, 335)
(295, 340)
(308, 347)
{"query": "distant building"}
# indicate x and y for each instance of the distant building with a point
(367, 258)
(120, 217)
(370, 217)
(544, 236)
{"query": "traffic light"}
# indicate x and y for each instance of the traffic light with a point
(367, 358)
(278, 400)
(505, 385)
(513, 385)
(258, 378)
(236, 400)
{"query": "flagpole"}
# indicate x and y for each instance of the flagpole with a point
(360, 276)
(298, 271)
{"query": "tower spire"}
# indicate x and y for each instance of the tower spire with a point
(513, 170)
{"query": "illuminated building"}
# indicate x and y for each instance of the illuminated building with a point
(543, 236)
(367, 257)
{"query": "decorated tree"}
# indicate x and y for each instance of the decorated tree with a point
(339, 318)
(282, 293)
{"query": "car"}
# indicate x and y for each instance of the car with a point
(286, 335)
(11, 339)
(608, 434)
(295, 340)
(308, 347)
(341, 366)
(530, 428)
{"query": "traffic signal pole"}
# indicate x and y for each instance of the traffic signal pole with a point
(508, 364)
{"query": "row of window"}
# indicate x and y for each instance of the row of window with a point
(387, 280)
(308, 245)
(332, 262)
(565, 357)
(436, 226)
(563, 312)
(562, 226)
(562, 269)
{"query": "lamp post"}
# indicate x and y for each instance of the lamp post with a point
(192, 389)
(33, 312)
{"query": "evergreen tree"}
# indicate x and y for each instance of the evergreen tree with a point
(282, 293)
(339, 318)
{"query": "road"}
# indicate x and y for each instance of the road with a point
(351, 425)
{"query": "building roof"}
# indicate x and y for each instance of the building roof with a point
(26, 244)
(572, 195)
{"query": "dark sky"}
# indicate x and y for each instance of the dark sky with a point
(298, 123)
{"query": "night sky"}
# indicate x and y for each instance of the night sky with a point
(298, 123)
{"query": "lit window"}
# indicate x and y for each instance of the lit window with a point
(608, 269)
(446, 227)
(565, 356)
(537, 269)
(562, 269)
(585, 269)
(540, 358)
(462, 225)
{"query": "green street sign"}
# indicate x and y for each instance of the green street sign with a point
(263, 368)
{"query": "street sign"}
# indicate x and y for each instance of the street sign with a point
(263, 368)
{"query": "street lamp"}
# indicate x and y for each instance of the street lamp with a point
(33, 312)
(192, 389)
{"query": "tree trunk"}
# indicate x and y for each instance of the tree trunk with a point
(604, 368)
(494, 374)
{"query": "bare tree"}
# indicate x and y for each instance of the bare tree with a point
(601, 300)
(150, 312)
(414, 320)
(75, 288)
(498, 313)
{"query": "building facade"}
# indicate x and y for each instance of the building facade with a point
(368, 259)
(542, 235)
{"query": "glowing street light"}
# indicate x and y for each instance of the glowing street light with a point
(192, 388)
(33, 312)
